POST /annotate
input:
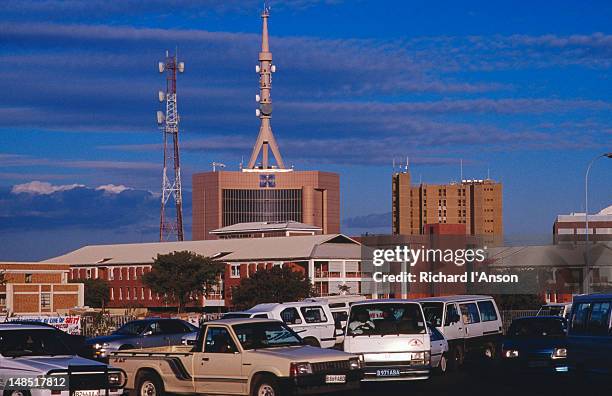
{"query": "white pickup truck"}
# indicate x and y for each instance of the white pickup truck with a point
(259, 357)
(34, 360)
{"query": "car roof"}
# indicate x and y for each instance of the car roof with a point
(556, 304)
(17, 326)
(385, 301)
(269, 307)
(592, 297)
(236, 321)
(455, 298)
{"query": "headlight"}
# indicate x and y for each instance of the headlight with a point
(511, 353)
(354, 364)
(297, 369)
(116, 379)
(559, 353)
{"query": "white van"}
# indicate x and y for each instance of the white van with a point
(471, 324)
(313, 321)
(339, 306)
(392, 337)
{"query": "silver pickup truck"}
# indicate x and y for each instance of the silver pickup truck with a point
(258, 357)
(35, 360)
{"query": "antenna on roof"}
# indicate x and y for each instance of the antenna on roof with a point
(461, 170)
(488, 173)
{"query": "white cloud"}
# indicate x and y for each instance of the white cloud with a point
(113, 188)
(42, 188)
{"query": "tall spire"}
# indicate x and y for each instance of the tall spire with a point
(265, 68)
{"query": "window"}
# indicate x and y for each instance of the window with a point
(235, 271)
(487, 311)
(45, 301)
(580, 315)
(434, 334)
(112, 293)
(28, 278)
(599, 320)
(2, 299)
(470, 313)
(218, 340)
(452, 316)
(313, 314)
(172, 327)
(290, 316)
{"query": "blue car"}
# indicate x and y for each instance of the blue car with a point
(145, 333)
(536, 344)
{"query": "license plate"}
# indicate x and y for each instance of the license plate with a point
(335, 379)
(387, 373)
(85, 393)
(537, 364)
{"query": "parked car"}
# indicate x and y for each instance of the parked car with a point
(439, 350)
(555, 309)
(339, 306)
(537, 344)
(313, 321)
(143, 333)
(590, 334)
(32, 353)
(240, 357)
(471, 324)
(392, 337)
(77, 343)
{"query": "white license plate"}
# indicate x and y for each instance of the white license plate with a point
(85, 393)
(387, 373)
(335, 379)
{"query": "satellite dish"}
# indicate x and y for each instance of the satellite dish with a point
(162, 96)
(161, 66)
(257, 68)
(257, 98)
(257, 112)
(273, 68)
(160, 117)
(266, 108)
(181, 67)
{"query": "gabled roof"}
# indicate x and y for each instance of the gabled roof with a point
(242, 249)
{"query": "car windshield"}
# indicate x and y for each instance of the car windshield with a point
(266, 335)
(548, 310)
(132, 328)
(43, 342)
(537, 328)
(236, 315)
(433, 312)
(386, 319)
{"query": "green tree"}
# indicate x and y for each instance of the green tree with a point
(183, 275)
(276, 284)
(97, 292)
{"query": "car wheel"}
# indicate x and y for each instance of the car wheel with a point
(489, 351)
(456, 358)
(312, 342)
(149, 385)
(443, 365)
(265, 386)
(17, 392)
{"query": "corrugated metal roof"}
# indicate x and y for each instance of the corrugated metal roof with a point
(245, 249)
(263, 226)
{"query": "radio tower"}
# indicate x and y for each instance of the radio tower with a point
(171, 214)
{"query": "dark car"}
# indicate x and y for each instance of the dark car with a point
(145, 333)
(77, 343)
(536, 344)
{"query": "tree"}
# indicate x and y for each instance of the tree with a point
(182, 276)
(97, 292)
(276, 284)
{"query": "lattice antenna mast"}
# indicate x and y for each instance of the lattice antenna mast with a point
(171, 213)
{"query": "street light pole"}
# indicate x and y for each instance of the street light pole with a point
(587, 275)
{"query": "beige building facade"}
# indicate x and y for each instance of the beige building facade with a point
(478, 204)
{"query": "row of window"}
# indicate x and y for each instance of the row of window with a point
(591, 318)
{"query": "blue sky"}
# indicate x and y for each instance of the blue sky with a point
(517, 89)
